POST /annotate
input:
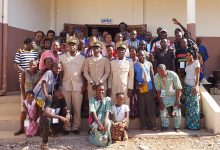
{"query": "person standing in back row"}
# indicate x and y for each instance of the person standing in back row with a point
(133, 41)
(144, 84)
(122, 75)
(96, 69)
(165, 56)
(203, 51)
(72, 81)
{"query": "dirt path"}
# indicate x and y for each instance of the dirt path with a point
(135, 143)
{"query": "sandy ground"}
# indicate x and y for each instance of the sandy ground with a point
(134, 143)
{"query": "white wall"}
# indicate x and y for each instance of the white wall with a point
(91, 11)
(211, 111)
(30, 15)
(43, 15)
(5, 13)
(153, 13)
(207, 18)
(1, 10)
(159, 13)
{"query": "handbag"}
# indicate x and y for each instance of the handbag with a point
(91, 119)
(40, 101)
(144, 88)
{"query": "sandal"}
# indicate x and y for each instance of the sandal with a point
(19, 132)
(52, 134)
(44, 146)
(163, 129)
(154, 128)
(65, 132)
(176, 129)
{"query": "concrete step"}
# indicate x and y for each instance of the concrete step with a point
(10, 99)
(135, 123)
(11, 123)
(8, 136)
(10, 109)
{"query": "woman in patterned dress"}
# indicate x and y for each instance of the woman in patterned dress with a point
(99, 108)
(191, 91)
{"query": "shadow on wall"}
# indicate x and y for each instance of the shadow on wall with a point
(16, 37)
(212, 44)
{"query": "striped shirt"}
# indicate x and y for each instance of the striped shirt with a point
(23, 57)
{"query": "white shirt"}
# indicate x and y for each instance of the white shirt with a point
(158, 46)
(134, 43)
(148, 47)
(119, 112)
(104, 52)
(51, 81)
(191, 72)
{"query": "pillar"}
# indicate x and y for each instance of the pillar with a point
(191, 17)
(4, 37)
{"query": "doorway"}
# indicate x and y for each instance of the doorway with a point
(111, 29)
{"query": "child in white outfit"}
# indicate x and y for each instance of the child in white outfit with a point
(120, 112)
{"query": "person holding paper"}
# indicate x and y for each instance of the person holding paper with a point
(168, 87)
(56, 116)
(181, 59)
(144, 84)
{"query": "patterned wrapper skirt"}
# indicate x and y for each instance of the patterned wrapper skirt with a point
(118, 132)
(133, 106)
(192, 108)
(100, 138)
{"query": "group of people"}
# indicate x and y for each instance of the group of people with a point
(110, 80)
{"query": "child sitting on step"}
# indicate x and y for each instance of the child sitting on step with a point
(30, 123)
(120, 115)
